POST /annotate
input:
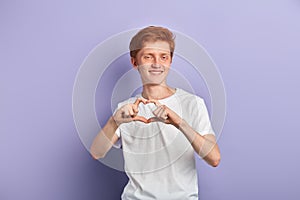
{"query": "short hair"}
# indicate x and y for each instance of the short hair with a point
(151, 34)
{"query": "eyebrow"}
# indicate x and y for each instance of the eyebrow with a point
(150, 53)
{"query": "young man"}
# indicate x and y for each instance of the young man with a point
(160, 129)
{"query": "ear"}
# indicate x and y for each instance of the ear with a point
(133, 62)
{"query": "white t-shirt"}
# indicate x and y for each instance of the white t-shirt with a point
(159, 160)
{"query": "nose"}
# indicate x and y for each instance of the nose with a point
(155, 63)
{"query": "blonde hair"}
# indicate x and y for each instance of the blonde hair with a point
(151, 34)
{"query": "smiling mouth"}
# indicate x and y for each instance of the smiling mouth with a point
(155, 72)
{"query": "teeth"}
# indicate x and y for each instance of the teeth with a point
(155, 72)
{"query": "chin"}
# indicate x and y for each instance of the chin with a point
(158, 80)
(153, 82)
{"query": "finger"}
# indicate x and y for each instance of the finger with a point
(156, 102)
(153, 119)
(157, 111)
(160, 110)
(138, 101)
(131, 112)
(162, 113)
(135, 109)
(140, 118)
(125, 114)
(167, 121)
(157, 119)
(166, 112)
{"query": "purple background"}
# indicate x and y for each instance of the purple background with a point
(255, 45)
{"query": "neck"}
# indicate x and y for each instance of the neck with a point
(156, 92)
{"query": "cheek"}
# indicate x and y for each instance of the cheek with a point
(142, 69)
(140, 61)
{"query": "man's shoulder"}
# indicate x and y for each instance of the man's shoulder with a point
(185, 95)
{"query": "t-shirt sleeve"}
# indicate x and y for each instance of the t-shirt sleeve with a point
(201, 121)
(118, 143)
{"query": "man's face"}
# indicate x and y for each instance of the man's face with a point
(153, 62)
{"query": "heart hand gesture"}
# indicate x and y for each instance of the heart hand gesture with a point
(129, 113)
(164, 114)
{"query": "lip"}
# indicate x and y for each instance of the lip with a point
(155, 72)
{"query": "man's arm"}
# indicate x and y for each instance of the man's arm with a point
(205, 146)
(104, 139)
(107, 137)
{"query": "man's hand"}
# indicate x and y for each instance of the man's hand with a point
(164, 114)
(205, 146)
(128, 113)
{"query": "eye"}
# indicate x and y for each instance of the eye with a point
(147, 57)
(164, 57)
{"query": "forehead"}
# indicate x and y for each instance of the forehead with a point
(160, 46)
